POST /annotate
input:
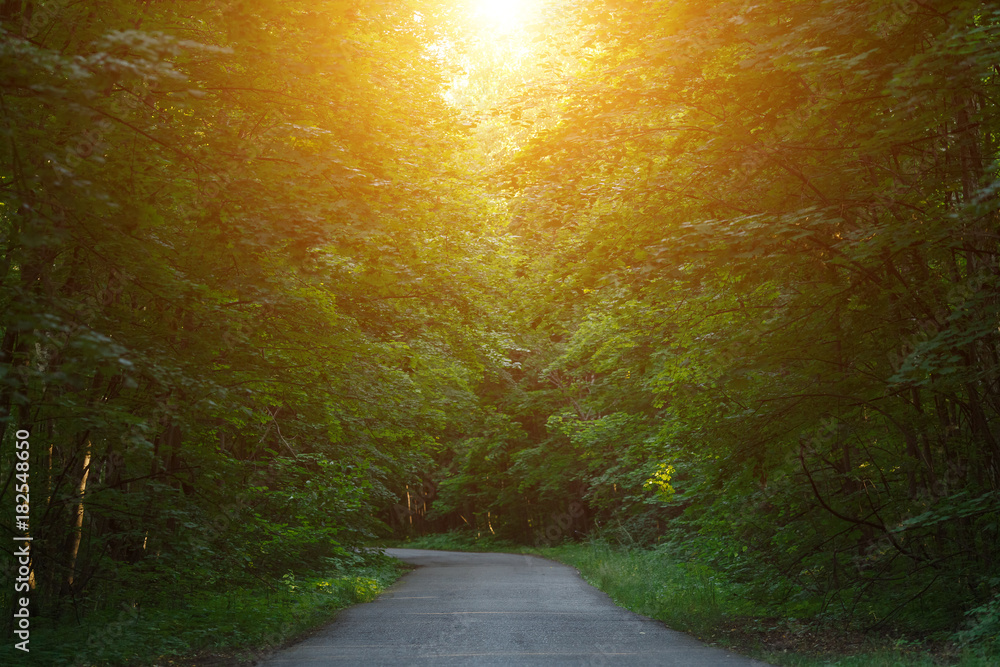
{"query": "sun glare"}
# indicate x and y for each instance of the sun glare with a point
(501, 15)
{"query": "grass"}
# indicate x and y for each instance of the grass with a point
(693, 598)
(686, 596)
(217, 626)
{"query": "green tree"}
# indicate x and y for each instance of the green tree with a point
(240, 299)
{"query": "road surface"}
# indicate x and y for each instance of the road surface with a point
(496, 609)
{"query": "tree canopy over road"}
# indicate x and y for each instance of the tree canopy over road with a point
(279, 278)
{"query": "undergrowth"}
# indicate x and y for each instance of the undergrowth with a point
(222, 623)
(454, 541)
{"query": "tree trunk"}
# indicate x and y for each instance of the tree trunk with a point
(78, 517)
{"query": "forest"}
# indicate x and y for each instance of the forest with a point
(282, 280)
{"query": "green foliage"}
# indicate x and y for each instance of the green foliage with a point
(239, 294)
(983, 626)
(240, 622)
(759, 252)
(457, 540)
(708, 274)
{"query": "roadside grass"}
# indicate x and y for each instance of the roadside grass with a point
(686, 596)
(218, 625)
(878, 658)
(693, 598)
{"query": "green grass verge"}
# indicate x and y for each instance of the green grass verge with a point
(693, 598)
(218, 625)
(686, 596)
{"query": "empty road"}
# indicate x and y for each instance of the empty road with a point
(496, 609)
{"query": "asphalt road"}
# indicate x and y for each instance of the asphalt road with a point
(496, 609)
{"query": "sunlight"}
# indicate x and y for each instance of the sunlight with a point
(503, 16)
